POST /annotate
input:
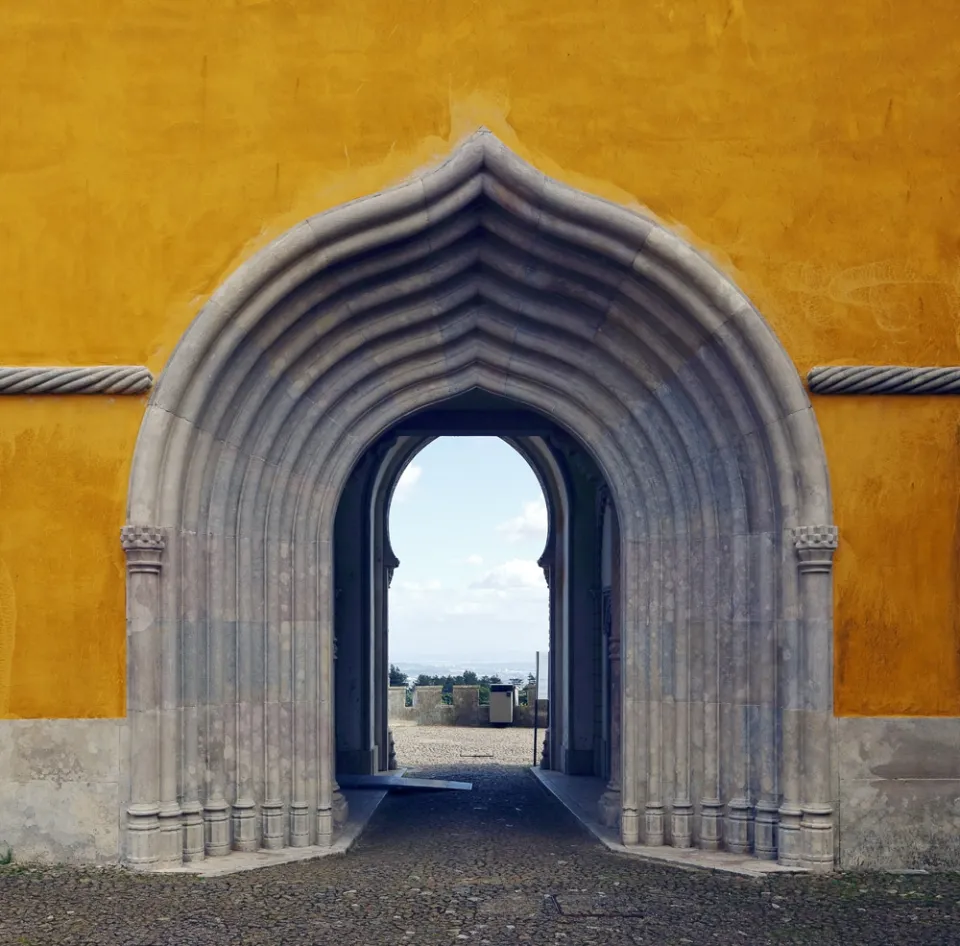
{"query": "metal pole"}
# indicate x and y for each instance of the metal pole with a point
(536, 710)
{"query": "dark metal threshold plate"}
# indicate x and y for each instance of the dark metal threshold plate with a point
(399, 783)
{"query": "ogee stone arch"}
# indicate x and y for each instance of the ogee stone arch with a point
(481, 273)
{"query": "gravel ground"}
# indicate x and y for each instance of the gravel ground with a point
(502, 864)
(448, 745)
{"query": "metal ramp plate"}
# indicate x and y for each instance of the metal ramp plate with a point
(399, 782)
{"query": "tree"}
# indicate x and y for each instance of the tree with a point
(517, 681)
(397, 677)
(424, 680)
(531, 678)
(470, 678)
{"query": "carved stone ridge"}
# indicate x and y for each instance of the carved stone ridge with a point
(815, 546)
(884, 379)
(89, 379)
(144, 545)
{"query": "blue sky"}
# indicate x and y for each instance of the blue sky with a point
(468, 523)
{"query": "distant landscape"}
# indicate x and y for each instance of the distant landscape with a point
(502, 669)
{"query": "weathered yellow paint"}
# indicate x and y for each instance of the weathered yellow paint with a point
(64, 464)
(147, 147)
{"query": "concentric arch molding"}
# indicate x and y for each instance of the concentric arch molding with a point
(88, 379)
(480, 274)
(883, 379)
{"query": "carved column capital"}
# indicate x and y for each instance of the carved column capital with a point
(815, 546)
(546, 566)
(392, 563)
(144, 547)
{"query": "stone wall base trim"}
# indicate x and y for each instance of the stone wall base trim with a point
(899, 793)
(63, 789)
(361, 806)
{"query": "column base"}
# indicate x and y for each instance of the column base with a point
(711, 824)
(325, 819)
(272, 816)
(244, 818)
(816, 838)
(681, 824)
(299, 825)
(788, 836)
(193, 846)
(765, 831)
(739, 826)
(608, 807)
(653, 824)
(629, 826)
(143, 835)
(171, 836)
(216, 828)
(339, 806)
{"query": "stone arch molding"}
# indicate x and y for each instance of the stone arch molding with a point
(480, 273)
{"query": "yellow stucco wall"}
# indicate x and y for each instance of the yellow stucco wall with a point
(147, 147)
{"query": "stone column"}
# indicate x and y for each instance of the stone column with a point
(338, 803)
(610, 800)
(815, 549)
(548, 757)
(143, 546)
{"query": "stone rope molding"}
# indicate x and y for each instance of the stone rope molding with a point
(89, 379)
(883, 379)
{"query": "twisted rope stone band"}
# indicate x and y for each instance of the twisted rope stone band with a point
(108, 379)
(884, 379)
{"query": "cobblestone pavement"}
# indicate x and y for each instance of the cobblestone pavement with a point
(503, 864)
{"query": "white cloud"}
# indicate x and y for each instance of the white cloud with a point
(408, 479)
(531, 524)
(517, 574)
(475, 560)
(432, 585)
(506, 606)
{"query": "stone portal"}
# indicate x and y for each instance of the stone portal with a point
(483, 277)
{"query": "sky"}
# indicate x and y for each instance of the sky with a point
(468, 522)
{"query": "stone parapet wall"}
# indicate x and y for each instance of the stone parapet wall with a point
(466, 710)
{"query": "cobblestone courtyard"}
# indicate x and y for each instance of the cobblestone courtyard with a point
(502, 864)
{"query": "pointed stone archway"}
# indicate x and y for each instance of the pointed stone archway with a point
(480, 274)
